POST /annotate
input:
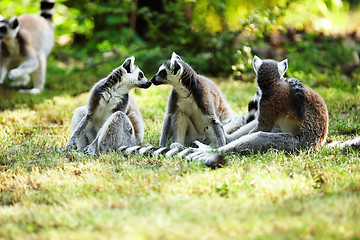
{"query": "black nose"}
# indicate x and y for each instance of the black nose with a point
(148, 84)
(145, 85)
(154, 81)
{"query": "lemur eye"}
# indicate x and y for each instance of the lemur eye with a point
(141, 75)
(3, 29)
(162, 73)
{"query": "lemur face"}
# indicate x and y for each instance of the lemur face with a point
(133, 75)
(169, 72)
(9, 28)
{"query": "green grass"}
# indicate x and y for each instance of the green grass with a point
(48, 194)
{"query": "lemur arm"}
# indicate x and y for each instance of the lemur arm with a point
(166, 131)
(218, 131)
(93, 147)
(180, 127)
(80, 130)
(244, 130)
(266, 117)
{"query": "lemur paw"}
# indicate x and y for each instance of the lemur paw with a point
(69, 147)
(201, 146)
(32, 91)
(176, 145)
(240, 120)
(237, 121)
(89, 150)
(14, 74)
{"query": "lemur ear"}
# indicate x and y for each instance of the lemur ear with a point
(128, 64)
(282, 67)
(175, 66)
(256, 64)
(13, 22)
(174, 57)
(1, 17)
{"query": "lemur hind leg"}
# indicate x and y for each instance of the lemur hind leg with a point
(89, 136)
(117, 131)
(261, 142)
(244, 130)
(39, 77)
(79, 113)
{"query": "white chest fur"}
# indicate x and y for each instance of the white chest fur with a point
(190, 109)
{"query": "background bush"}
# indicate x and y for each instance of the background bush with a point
(218, 38)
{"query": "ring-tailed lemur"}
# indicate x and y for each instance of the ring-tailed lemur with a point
(196, 108)
(111, 118)
(296, 87)
(289, 116)
(253, 106)
(26, 41)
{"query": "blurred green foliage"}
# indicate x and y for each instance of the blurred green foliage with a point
(217, 37)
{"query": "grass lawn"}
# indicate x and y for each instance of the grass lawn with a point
(48, 194)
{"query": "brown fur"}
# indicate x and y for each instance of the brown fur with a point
(273, 109)
(38, 26)
(278, 108)
(316, 117)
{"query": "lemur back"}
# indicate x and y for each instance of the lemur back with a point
(196, 107)
(111, 117)
(26, 41)
(287, 103)
(297, 91)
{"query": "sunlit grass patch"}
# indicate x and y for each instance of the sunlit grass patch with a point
(48, 194)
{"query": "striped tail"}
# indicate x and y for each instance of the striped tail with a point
(47, 9)
(253, 106)
(298, 96)
(210, 159)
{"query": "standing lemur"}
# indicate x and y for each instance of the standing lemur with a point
(25, 43)
(111, 118)
(196, 109)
